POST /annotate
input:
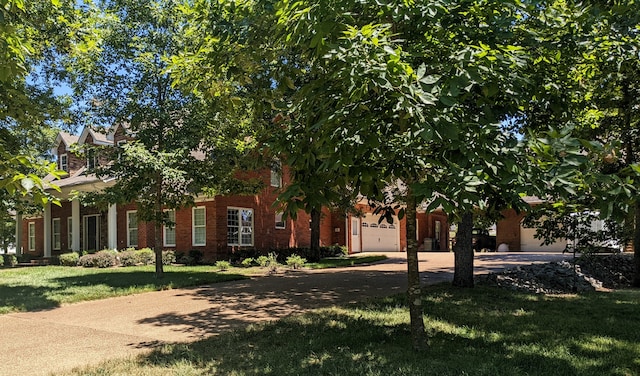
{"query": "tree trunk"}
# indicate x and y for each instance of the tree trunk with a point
(463, 250)
(315, 233)
(636, 246)
(414, 292)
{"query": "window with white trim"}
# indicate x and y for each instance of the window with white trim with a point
(92, 159)
(199, 226)
(64, 163)
(169, 231)
(280, 223)
(70, 232)
(239, 227)
(132, 228)
(276, 173)
(55, 234)
(32, 236)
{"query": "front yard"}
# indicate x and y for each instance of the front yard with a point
(43, 287)
(483, 331)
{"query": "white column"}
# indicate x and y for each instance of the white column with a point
(47, 230)
(112, 227)
(18, 234)
(75, 225)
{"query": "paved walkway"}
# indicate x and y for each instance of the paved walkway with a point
(44, 342)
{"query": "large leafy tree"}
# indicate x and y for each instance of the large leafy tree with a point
(31, 34)
(178, 147)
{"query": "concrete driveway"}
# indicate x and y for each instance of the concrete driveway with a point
(44, 342)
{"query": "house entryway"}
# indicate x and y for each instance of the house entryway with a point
(91, 226)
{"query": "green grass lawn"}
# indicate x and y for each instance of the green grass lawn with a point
(42, 287)
(483, 331)
(340, 262)
(33, 288)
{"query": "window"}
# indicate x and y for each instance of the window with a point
(64, 163)
(120, 145)
(170, 230)
(92, 159)
(132, 229)
(199, 230)
(70, 232)
(55, 233)
(280, 223)
(239, 226)
(276, 173)
(32, 236)
(354, 227)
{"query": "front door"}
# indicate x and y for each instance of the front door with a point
(355, 235)
(91, 233)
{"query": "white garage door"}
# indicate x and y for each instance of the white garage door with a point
(529, 244)
(380, 237)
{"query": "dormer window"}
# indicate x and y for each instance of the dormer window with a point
(276, 173)
(92, 160)
(64, 163)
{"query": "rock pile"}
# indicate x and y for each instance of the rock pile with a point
(587, 274)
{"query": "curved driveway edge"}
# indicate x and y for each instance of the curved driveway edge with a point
(44, 342)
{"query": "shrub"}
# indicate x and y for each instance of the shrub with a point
(248, 262)
(146, 256)
(1, 260)
(263, 261)
(295, 261)
(223, 265)
(69, 259)
(102, 259)
(10, 260)
(196, 255)
(129, 258)
(168, 257)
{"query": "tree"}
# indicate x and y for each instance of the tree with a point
(28, 107)
(178, 146)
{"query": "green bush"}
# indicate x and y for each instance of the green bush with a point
(129, 258)
(69, 259)
(102, 259)
(146, 256)
(295, 261)
(196, 255)
(10, 260)
(223, 265)
(168, 257)
(1, 260)
(263, 261)
(248, 262)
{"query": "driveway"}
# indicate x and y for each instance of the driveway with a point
(44, 342)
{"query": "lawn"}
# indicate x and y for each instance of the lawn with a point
(33, 288)
(340, 262)
(42, 287)
(483, 331)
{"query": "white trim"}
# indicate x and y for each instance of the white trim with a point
(241, 227)
(75, 226)
(63, 166)
(129, 228)
(112, 227)
(275, 179)
(165, 228)
(56, 245)
(193, 226)
(31, 236)
(47, 230)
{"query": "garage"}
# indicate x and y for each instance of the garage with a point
(530, 244)
(382, 237)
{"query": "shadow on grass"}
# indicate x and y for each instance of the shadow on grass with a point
(483, 332)
(97, 285)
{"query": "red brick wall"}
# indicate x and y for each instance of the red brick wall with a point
(338, 221)
(63, 212)
(508, 229)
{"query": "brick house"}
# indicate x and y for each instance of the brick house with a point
(216, 226)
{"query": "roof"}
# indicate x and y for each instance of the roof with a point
(67, 138)
(99, 138)
(78, 178)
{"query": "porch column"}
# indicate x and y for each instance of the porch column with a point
(18, 234)
(75, 225)
(47, 230)
(112, 227)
